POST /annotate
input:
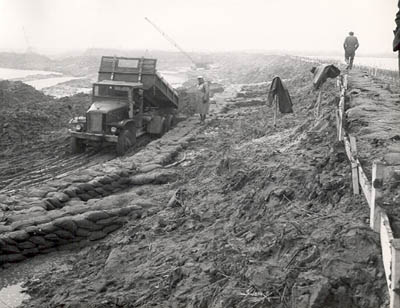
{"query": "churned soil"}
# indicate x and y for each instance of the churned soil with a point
(28, 113)
(373, 117)
(257, 216)
(34, 139)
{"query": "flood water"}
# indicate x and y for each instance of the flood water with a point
(40, 84)
(13, 278)
(12, 296)
(174, 78)
(11, 73)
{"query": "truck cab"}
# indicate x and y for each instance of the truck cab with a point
(130, 99)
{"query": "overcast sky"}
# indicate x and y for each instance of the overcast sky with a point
(204, 25)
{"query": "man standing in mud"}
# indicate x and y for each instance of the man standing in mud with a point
(204, 102)
(350, 46)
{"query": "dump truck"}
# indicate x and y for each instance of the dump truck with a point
(129, 99)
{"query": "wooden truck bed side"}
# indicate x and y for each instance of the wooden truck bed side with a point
(157, 91)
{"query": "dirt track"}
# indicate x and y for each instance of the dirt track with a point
(262, 217)
(51, 160)
(33, 135)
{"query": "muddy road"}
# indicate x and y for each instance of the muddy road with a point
(233, 213)
(51, 159)
(35, 140)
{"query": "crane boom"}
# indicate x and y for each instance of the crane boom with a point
(169, 39)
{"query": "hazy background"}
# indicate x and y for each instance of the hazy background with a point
(207, 25)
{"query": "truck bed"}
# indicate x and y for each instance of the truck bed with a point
(157, 91)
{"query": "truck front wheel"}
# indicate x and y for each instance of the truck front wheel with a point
(77, 145)
(126, 139)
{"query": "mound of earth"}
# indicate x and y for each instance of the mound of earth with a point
(256, 68)
(27, 113)
(34, 131)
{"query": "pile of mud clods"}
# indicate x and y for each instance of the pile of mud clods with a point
(27, 113)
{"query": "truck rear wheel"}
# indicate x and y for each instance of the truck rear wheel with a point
(174, 121)
(126, 140)
(168, 122)
(77, 145)
(163, 128)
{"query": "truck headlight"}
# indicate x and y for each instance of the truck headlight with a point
(78, 127)
(113, 130)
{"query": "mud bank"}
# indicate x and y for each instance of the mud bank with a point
(43, 217)
(249, 216)
(373, 118)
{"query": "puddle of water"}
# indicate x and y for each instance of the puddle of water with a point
(61, 91)
(11, 73)
(40, 84)
(12, 296)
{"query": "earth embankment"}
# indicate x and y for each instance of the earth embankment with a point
(233, 213)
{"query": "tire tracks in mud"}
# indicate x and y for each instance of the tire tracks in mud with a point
(95, 210)
(39, 162)
(249, 234)
(21, 172)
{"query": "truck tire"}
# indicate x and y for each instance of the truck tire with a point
(168, 122)
(126, 140)
(174, 121)
(163, 129)
(77, 145)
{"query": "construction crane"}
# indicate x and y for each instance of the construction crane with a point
(169, 39)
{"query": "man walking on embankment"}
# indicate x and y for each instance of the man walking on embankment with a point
(350, 46)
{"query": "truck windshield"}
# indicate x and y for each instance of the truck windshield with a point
(111, 91)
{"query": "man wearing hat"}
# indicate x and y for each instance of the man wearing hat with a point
(204, 102)
(350, 46)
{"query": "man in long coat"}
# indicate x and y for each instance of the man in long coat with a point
(350, 46)
(204, 102)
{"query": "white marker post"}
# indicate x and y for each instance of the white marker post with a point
(376, 195)
(275, 109)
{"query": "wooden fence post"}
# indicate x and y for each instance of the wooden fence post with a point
(345, 81)
(275, 106)
(337, 121)
(395, 279)
(386, 236)
(354, 165)
(364, 183)
(341, 116)
(317, 105)
(376, 195)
